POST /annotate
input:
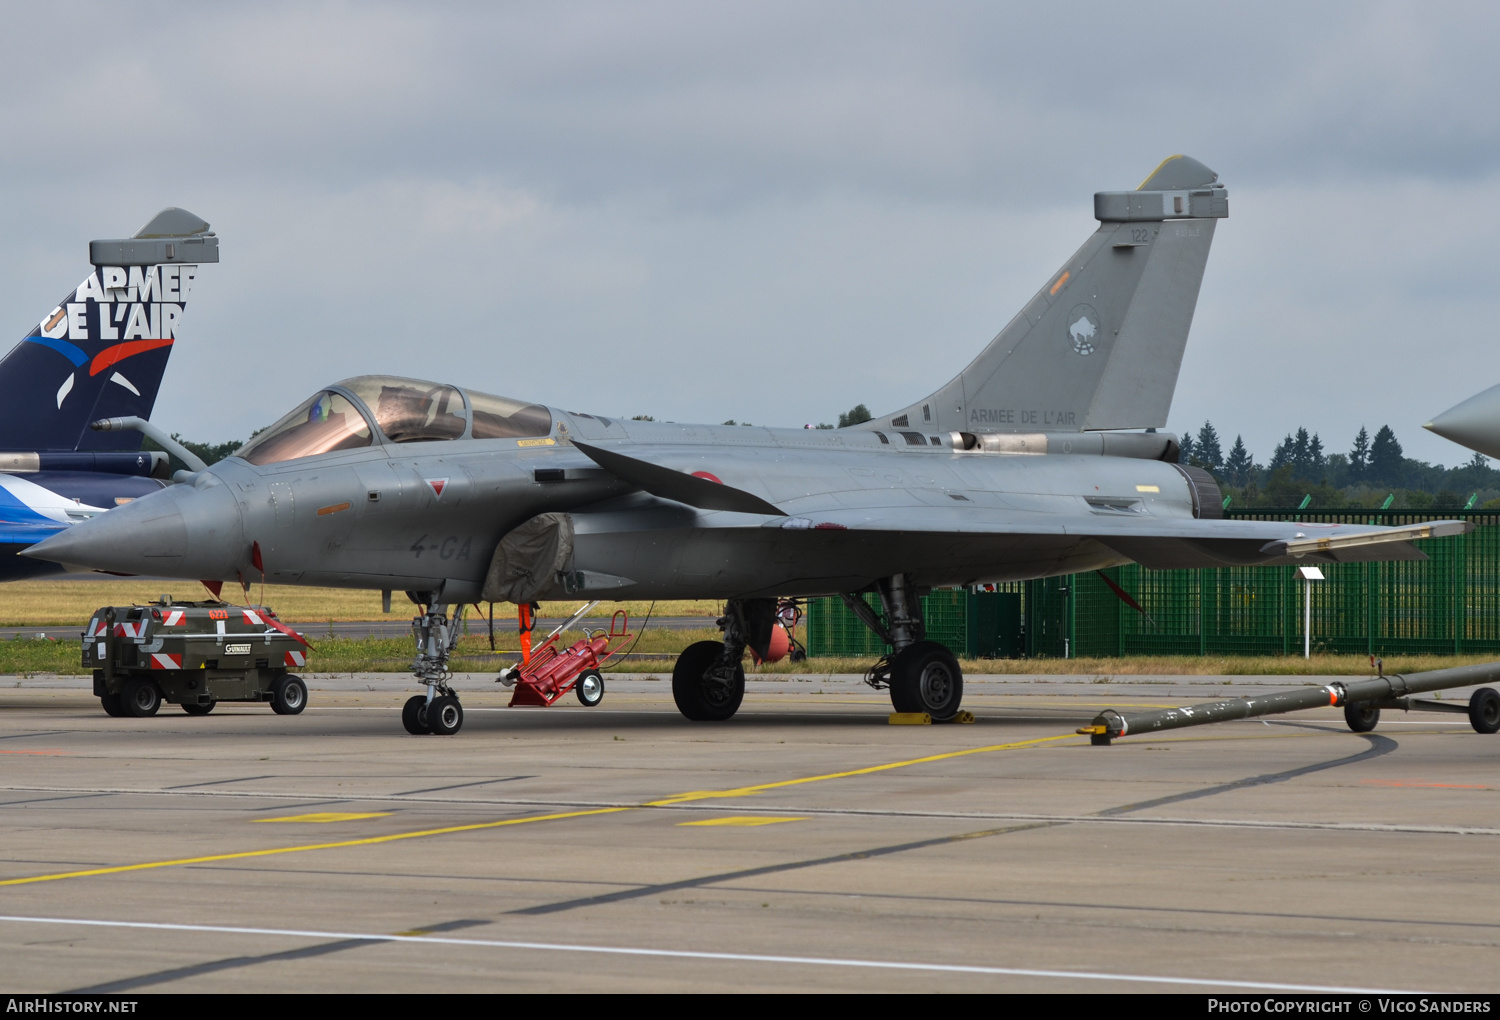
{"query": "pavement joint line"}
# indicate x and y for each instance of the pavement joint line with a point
(743, 791)
(688, 954)
(273, 851)
(748, 791)
(1002, 816)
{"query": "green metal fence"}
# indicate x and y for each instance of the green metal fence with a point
(1446, 605)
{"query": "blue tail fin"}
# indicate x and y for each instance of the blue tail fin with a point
(102, 351)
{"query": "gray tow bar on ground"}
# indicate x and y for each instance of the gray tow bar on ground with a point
(1374, 693)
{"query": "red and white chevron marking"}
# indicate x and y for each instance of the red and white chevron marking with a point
(295, 659)
(252, 617)
(128, 629)
(174, 618)
(161, 660)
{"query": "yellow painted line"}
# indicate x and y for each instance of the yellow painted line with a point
(368, 841)
(746, 791)
(682, 798)
(327, 816)
(746, 821)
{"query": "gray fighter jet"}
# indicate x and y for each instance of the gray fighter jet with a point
(1475, 423)
(1021, 467)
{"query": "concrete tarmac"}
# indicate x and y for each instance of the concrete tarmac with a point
(805, 845)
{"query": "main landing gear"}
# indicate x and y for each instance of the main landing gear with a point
(922, 675)
(438, 711)
(708, 681)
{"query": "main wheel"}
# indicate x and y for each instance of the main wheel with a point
(288, 695)
(925, 677)
(196, 709)
(140, 698)
(1484, 710)
(445, 716)
(414, 715)
(1362, 716)
(590, 688)
(704, 698)
(113, 706)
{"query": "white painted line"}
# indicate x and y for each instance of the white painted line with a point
(688, 954)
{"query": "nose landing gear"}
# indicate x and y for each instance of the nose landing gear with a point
(438, 711)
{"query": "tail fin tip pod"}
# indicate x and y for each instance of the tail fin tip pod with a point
(102, 351)
(1100, 345)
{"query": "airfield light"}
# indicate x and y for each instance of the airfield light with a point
(1309, 575)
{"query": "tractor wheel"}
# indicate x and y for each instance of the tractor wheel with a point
(140, 698)
(1362, 716)
(1484, 710)
(288, 695)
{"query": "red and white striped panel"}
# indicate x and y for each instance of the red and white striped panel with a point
(174, 618)
(296, 659)
(161, 660)
(96, 627)
(128, 629)
(251, 616)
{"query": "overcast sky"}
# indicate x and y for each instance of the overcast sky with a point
(766, 212)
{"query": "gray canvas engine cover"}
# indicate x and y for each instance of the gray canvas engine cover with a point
(529, 558)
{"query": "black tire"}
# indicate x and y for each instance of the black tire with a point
(414, 715)
(926, 677)
(590, 688)
(113, 706)
(698, 698)
(288, 695)
(1484, 710)
(196, 709)
(140, 698)
(445, 716)
(1362, 716)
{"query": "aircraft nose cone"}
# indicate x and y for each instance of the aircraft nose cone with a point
(1475, 423)
(141, 537)
(178, 532)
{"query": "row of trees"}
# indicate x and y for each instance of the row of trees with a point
(1300, 463)
(1380, 461)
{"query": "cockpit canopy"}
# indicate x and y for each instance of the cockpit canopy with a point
(369, 409)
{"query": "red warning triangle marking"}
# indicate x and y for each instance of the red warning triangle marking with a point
(438, 485)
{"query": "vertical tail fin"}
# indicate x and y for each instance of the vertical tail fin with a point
(1100, 345)
(102, 351)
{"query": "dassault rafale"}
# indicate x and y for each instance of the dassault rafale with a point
(1041, 458)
